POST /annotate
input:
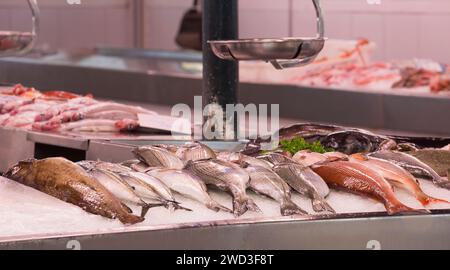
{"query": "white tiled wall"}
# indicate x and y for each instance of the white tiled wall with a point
(401, 28)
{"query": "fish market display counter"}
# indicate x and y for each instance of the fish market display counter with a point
(33, 220)
(171, 78)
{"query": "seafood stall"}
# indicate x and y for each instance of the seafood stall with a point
(87, 160)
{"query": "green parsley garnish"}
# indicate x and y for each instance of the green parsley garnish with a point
(299, 144)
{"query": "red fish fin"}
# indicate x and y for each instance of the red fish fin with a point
(427, 200)
(399, 208)
(360, 156)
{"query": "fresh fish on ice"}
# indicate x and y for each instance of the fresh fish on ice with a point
(152, 188)
(69, 182)
(397, 176)
(117, 186)
(226, 176)
(360, 179)
(266, 182)
(188, 185)
(306, 182)
(413, 165)
(158, 157)
(195, 151)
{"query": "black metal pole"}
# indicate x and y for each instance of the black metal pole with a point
(220, 77)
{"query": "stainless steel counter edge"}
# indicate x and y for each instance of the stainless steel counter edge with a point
(73, 142)
(409, 232)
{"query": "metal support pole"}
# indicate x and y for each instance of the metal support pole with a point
(220, 77)
(138, 11)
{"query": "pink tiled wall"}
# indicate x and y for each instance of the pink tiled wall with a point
(401, 28)
(72, 26)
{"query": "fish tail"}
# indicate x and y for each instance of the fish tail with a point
(147, 206)
(130, 219)
(176, 206)
(425, 200)
(215, 206)
(399, 208)
(320, 205)
(288, 208)
(242, 205)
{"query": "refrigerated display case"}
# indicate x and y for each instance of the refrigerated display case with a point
(157, 80)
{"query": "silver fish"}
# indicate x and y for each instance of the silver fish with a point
(152, 188)
(106, 174)
(121, 189)
(102, 165)
(158, 157)
(241, 159)
(276, 158)
(188, 185)
(136, 165)
(130, 162)
(266, 182)
(226, 176)
(413, 165)
(306, 182)
(195, 151)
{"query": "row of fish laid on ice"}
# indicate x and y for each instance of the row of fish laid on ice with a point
(307, 173)
(161, 170)
(27, 108)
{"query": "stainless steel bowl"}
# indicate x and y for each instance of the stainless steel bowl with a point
(16, 43)
(12, 43)
(281, 53)
(267, 49)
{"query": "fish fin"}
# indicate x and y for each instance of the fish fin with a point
(400, 208)
(240, 206)
(138, 156)
(320, 205)
(130, 219)
(215, 206)
(188, 164)
(26, 161)
(128, 209)
(289, 208)
(177, 206)
(360, 156)
(147, 207)
(244, 164)
(425, 200)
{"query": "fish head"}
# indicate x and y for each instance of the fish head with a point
(348, 142)
(136, 152)
(20, 170)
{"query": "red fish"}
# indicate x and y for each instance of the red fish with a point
(360, 179)
(397, 176)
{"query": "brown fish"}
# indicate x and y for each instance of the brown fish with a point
(63, 179)
(360, 179)
(397, 176)
(437, 159)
